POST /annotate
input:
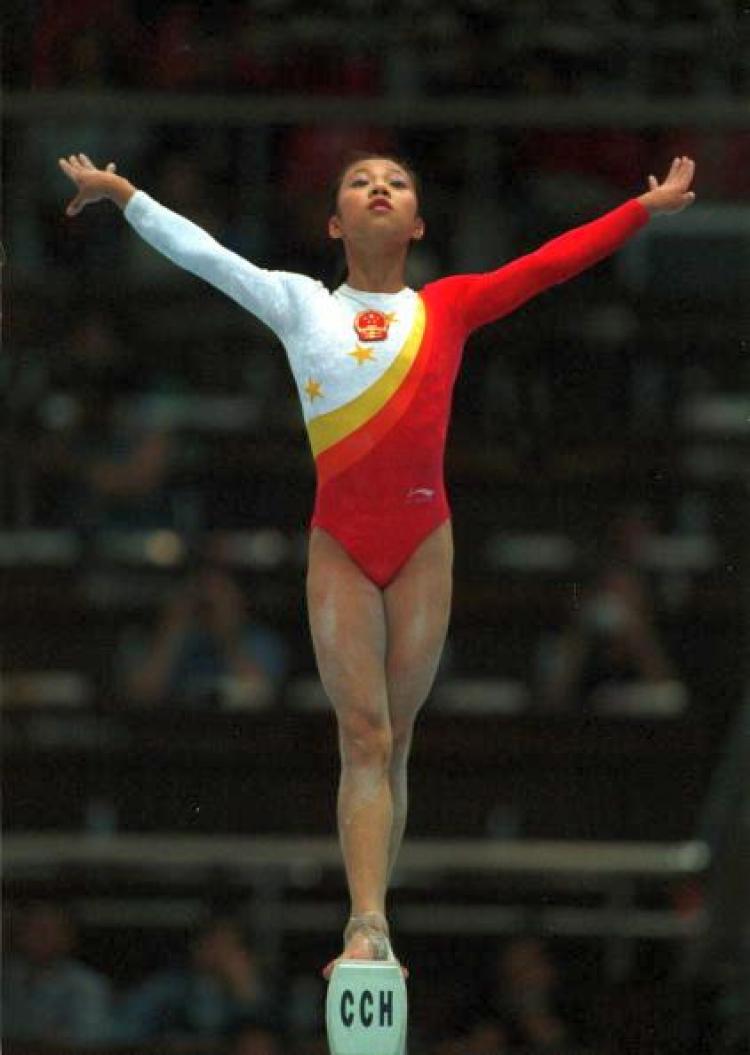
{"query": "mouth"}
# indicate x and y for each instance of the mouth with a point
(380, 205)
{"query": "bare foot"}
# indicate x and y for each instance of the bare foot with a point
(365, 938)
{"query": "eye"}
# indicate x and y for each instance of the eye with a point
(400, 182)
(358, 181)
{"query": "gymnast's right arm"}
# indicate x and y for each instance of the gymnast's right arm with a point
(267, 294)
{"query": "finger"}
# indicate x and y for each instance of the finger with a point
(86, 161)
(111, 167)
(687, 172)
(70, 171)
(653, 183)
(677, 172)
(74, 206)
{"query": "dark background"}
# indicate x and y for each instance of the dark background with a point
(618, 399)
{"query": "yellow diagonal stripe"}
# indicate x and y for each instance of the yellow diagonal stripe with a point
(327, 429)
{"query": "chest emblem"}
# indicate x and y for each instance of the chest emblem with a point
(372, 325)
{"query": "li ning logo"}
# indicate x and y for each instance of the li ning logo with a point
(419, 495)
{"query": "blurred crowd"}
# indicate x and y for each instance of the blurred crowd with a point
(217, 995)
(365, 47)
(211, 992)
(214, 997)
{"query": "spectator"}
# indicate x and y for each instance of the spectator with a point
(105, 470)
(188, 49)
(255, 1040)
(204, 648)
(84, 42)
(526, 995)
(254, 45)
(218, 991)
(611, 640)
(48, 995)
(486, 1036)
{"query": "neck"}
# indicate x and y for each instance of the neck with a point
(376, 274)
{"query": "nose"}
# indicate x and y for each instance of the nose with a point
(379, 189)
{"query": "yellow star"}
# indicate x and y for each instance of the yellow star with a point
(313, 389)
(390, 317)
(361, 354)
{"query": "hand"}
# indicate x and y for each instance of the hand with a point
(674, 194)
(94, 184)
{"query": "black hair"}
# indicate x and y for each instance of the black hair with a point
(355, 156)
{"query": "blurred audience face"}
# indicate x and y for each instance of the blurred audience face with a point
(216, 596)
(89, 59)
(525, 966)
(92, 341)
(181, 182)
(44, 934)
(486, 1038)
(255, 1041)
(216, 946)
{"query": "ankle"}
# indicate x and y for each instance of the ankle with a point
(366, 921)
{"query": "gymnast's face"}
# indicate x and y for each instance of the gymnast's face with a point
(376, 201)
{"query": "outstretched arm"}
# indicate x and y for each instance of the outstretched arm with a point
(487, 297)
(270, 295)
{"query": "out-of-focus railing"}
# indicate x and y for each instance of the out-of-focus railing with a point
(725, 828)
(461, 111)
(609, 877)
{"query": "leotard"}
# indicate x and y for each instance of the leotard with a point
(375, 371)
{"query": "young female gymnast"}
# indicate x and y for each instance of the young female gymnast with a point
(375, 363)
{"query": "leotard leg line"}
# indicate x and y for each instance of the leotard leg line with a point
(381, 546)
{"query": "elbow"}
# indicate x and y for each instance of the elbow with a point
(549, 269)
(558, 271)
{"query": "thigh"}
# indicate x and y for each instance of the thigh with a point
(417, 608)
(347, 622)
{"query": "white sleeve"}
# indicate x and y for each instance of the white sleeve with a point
(269, 295)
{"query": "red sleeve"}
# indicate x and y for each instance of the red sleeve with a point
(486, 297)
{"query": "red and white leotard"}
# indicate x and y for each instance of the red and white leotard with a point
(375, 371)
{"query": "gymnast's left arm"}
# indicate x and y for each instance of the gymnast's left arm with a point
(487, 297)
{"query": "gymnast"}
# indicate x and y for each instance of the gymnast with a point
(374, 364)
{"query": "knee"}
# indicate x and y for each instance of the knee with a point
(401, 735)
(366, 740)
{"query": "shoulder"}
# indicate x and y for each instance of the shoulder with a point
(447, 288)
(303, 285)
(80, 975)
(447, 298)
